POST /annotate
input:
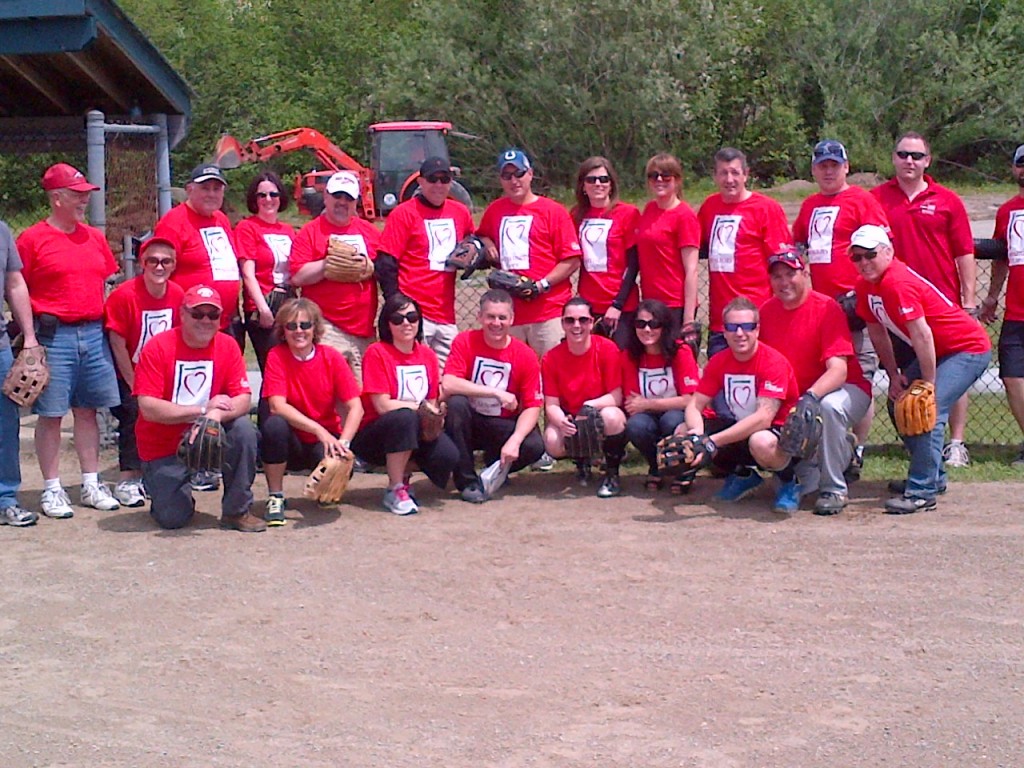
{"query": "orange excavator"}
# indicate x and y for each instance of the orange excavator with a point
(396, 152)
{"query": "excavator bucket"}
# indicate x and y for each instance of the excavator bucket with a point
(228, 153)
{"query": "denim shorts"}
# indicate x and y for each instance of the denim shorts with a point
(81, 371)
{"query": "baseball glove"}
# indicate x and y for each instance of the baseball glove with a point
(329, 479)
(469, 256)
(690, 334)
(587, 443)
(27, 377)
(848, 303)
(431, 420)
(801, 434)
(202, 445)
(344, 264)
(277, 297)
(916, 410)
(679, 451)
(519, 286)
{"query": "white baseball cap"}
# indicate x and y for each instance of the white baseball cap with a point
(870, 236)
(344, 181)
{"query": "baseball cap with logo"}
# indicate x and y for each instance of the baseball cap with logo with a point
(205, 172)
(870, 236)
(434, 165)
(64, 176)
(790, 258)
(344, 181)
(516, 157)
(1018, 156)
(202, 294)
(828, 149)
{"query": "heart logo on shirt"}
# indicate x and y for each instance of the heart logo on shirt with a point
(821, 225)
(1018, 228)
(491, 378)
(417, 386)
(194, 382)
(658, 387)
(158, 325)
(742, 394)
(724, 233)
(593, 234)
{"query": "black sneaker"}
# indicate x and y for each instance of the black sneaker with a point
(610, 486)
(829, 503)
(583, 474)
(899, 487)
(908, 505)
(204, 480)
(856, 466)
(474, 493)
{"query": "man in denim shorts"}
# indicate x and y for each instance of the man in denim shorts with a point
(12, 284)
(66, 265)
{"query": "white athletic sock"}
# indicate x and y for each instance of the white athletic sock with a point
(90, 478)
(52, 485)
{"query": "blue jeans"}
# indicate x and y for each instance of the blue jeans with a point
(81, 371)
(10, 426)
(644, 430)
(954, 375)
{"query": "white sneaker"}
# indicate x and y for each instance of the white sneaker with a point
(56, 504)
(955, 454)
(98, 497)
(130, 493)
(399, 501)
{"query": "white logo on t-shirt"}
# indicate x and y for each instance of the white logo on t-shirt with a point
(594, 241)
(657, 383)
(441, 241)
(490, 373)
(820, 232)
(514, 249)
(722, 244)
(193, 381)
(741, 394)
(1015, 238)
(154, 321)
(877, 307)
(281, 247)
(413, 384)
(223, 263)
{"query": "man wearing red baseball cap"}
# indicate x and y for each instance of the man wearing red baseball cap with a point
(189, 372)
(66, 265)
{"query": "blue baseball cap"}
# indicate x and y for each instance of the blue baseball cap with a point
(828, 149)
(516, 157)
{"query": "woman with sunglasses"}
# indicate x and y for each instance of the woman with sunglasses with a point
(659, 375)
(314, 401)
(667, 239)
(400, 372)
(264, 244)
(607, 230)
(584, 370)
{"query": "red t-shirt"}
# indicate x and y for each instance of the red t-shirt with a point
(1010, 229)
(766, 374)
(171, 370)
(66, 273)
(574, 379)
(313, 386)
(605, 237)
(269, 245)
(653, 379)
(740, 237)
(132, 313)
(513, 369)
(929, 232)
(420, 237)
(352, 307)
(809, 335)
(826, 223)
(531, 240)
(206, 254)
(903, 295)
(411, 378)
(660, 236)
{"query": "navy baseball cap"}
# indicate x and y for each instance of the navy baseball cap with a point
(514, 157)
(829, 149)
(1018, 156)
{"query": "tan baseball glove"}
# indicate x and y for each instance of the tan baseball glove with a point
(344, 264)
(27, 377)
(916, 410)
(431, 420)
(329, 479)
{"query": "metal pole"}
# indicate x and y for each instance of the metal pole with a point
(163, 166)
(96, 168)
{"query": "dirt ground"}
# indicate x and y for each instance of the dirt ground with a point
(545, 628)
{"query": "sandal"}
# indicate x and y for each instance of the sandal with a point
(654, 482)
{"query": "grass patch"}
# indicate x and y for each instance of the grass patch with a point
(989, 464)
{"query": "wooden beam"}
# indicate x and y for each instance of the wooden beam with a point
(92, 69)
(46, 89)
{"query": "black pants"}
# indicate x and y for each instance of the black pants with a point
(737, 455)
(623, 329)
(280, 444)
(262, 340)
(398, 431)
(470, 431)
(127, 413)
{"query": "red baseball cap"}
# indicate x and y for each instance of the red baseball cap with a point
(156, 241)
(64, 176)
(202, 294)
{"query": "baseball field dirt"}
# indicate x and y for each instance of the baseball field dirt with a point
(545, 628)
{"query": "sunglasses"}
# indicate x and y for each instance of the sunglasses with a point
(409, 317)
(271, 195)
(210, 314)
(438, 178)
(659, 176)
(294, 326)
(509, 175)
(745, 327)
(903, 154)
(342, 196)
(577, 320)
(152, 261)
(652, 324)
(857, 257)
(597, 179)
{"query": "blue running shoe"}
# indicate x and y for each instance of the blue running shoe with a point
(739, 487)
(787, 498)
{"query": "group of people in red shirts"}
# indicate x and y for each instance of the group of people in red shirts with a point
(862, 279)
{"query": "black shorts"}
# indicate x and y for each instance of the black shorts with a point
(1011, 350)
